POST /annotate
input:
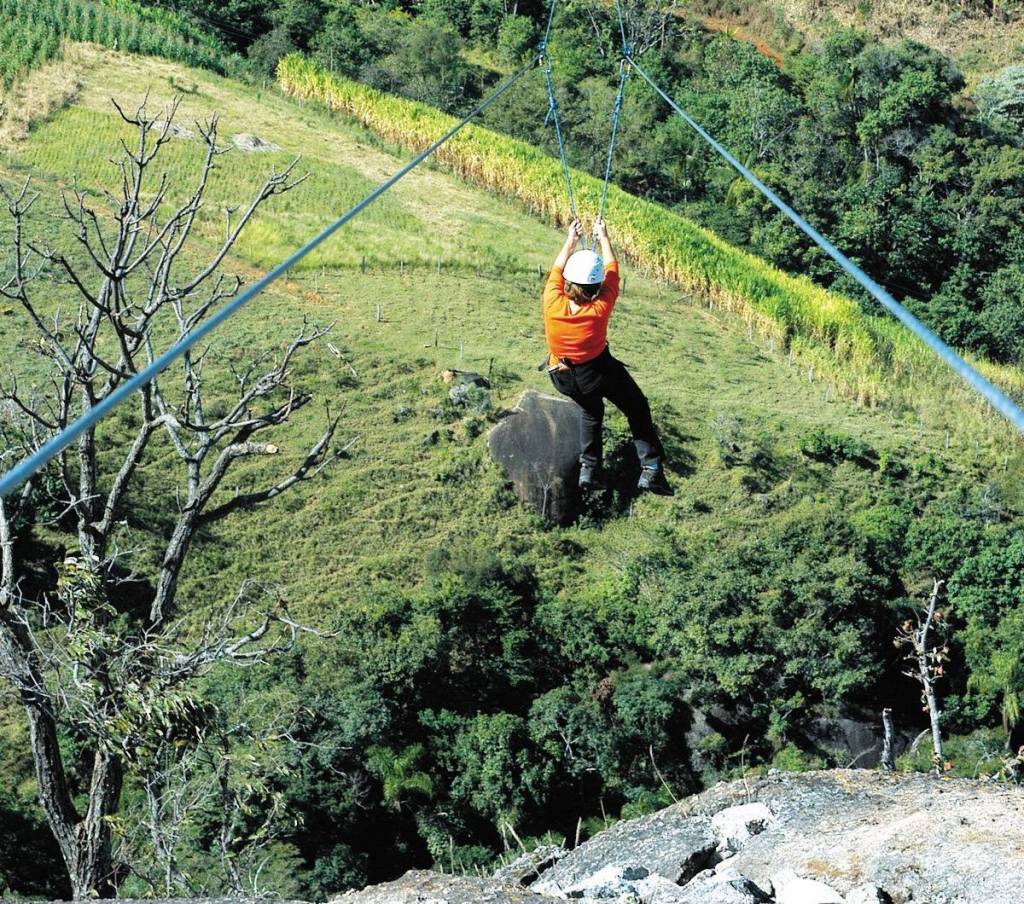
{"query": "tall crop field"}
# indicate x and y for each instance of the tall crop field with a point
(31, 32)
(869, 358)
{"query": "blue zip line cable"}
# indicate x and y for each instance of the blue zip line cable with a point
(994, 396)
(547, 31)
(26, 468)
(553, 110)
(627, 48)
(553, 115)
(620, 98)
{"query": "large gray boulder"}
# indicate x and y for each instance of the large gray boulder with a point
(671, 844)
(537, 445)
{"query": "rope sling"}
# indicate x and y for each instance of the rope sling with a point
(554, 117)
(620, 98)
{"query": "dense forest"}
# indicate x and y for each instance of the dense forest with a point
(507, 694)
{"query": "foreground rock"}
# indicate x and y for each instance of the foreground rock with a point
(524, 869)
(422, 887)
(537, 445)
(669, 844)
(914, 838)
(735, 826)
(839, 837)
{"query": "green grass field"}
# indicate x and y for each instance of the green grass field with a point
(456, 273)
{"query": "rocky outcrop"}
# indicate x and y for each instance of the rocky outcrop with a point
(848, 835)
(537, 445)
(422, 887)
(914, 838)
(670, 844)
(253, 144)
(838, 837)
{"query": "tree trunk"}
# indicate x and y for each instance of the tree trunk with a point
(925, 668)
(92, 872)
(85, 842)
(888, 760)
(933, 712)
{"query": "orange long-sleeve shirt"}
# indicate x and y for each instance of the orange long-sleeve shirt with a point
(581, 336)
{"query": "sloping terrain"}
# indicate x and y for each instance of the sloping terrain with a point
(981, 37)
(785, 538)
(451, 266)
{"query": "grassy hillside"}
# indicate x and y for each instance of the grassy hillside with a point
(773, 577)
(696, 364)
(31, 33)
(869, 356)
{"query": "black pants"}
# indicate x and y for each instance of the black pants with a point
(605, 377)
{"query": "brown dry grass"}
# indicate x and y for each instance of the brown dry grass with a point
(980, 43)
(39, 94)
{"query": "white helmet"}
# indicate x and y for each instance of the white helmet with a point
(584, 268)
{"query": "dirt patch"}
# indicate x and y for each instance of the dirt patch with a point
(735, 30)
(40, 94)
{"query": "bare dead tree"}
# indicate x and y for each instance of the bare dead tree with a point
(222, 773)
(647, 22)
(928, 653)
(85, 663)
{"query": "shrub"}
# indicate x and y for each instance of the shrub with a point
(515, 38)
(833, 448)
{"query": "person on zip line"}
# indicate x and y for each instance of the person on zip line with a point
(578, 300)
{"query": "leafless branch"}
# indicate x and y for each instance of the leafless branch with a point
(79, 659)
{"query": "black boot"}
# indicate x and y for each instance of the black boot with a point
(590, 474)
(652, 480)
